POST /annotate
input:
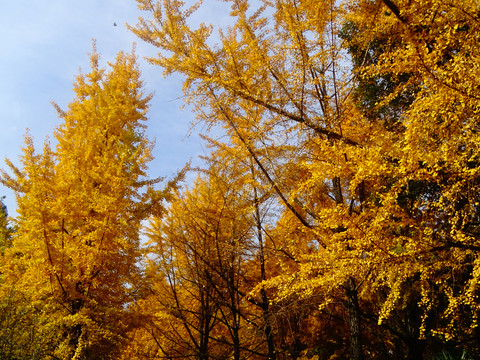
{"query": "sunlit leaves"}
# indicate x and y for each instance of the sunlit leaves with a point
(80, 206)
(376, 167)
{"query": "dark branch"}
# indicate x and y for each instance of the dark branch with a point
(393, 8)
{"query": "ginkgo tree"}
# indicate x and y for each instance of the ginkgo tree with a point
(202, 264)
(277, 82)
(430, 200)
(80, 206)
(378, 166)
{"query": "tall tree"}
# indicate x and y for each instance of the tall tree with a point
(197, 254)
(276, 82)
(429, 202)
(80, 208)
(377, 167)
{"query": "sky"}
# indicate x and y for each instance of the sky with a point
(44, 43)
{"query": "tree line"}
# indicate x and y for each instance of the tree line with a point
(336, 217)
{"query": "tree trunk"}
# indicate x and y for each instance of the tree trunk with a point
(415, 349)
(354, 320)
(264, 304)
(268, 327)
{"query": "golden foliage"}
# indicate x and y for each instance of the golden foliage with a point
(80, 209)
(377, 169)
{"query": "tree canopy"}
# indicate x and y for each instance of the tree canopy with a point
(336, 216)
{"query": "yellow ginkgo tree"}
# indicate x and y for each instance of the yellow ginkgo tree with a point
(374, 154)
(277, 83)
(425, 55)
(201, 258)
(80, 204)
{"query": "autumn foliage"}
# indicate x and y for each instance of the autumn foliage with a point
(75, 253)
(336, 216)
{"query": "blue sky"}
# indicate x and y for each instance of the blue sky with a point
(45, 42)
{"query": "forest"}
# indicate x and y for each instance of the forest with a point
(336, 215)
